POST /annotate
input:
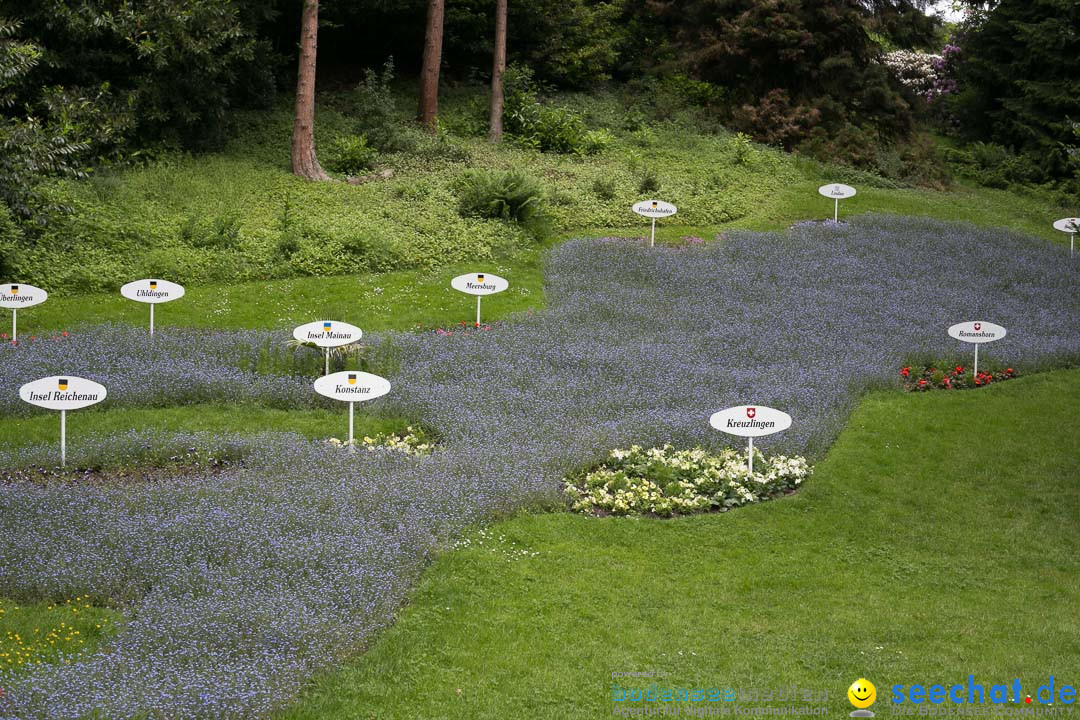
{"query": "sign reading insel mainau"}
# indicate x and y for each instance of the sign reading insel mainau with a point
(977, 332)
(352, 386)
(750, 421)
(18, 295)
(328, 333)
(479, 284)
(63, 393)
(152, 291)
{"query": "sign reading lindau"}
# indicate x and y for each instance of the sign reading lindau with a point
(837, 192)
(18, 295)
(654, 209)
(977, 332)
(352, 386)
(1071, 226)
(750, 421)
(152, 292)
(479, 284)
(63, 393)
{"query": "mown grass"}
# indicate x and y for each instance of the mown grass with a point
(54, 631)
(44, 428)
(936, 540)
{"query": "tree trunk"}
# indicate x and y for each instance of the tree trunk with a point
(495, 134)
(429, 73)
(304, 161)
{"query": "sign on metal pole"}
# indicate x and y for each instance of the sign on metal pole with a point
(152, 292)
(750, 421)
(977, 332)
(654, 209)
(352, 386)
(1071, 226)
(479, 284)
(328, 334)
(837, 192)
(20, 295)
(63, 393)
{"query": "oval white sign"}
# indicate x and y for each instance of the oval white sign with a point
(837, 191)
(1069, 225)
(977, 331)
(479, 284)
(328, 333)
(62, 392)
(655, 208)
(17, 295)
(152, 291)
(352, 386)
(750, 420)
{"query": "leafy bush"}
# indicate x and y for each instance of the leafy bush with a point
(604, 188)
(543, 128)
(350, 154)
(374, 110)
(508, 195)
(665, 481)
(649, 182)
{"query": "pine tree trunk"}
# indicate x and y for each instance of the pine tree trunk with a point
(429, 73)
(496, 131)
(304, 161)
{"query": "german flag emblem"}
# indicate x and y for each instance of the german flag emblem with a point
(153, 284)
(326, 327)
(479, 278)
(14, 289)
(654, 203)
(62, 383)
(352, 378)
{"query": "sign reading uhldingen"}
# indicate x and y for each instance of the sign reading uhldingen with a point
(352, 386)
(837, 192)
(750, 421)
(63, 393)
(479, 284)
(20, 295)
(152, 292)
(328, 334)
(977, 332)
(1071, 226)
(654, 209)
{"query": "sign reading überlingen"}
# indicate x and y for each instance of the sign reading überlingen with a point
(328, 333)
(20, 295)
(977, 331)
(655, 208)
(62, 392)
(152, 291)
(352, 386)
(479, 284)
(750, 420)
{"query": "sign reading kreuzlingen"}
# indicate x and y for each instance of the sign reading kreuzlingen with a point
(63, 393)
(750, 421)
(152, 292)
(479, 284)
(654, 209)
(977, 332)
(20, 295)
(352, 386)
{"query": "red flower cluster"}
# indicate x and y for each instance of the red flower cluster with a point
(958, 378)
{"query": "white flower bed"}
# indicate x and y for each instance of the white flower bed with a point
(665, 481)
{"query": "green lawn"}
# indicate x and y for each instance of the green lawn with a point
(54, 631)
(937, 539)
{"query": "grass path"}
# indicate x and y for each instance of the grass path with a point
(937, 539)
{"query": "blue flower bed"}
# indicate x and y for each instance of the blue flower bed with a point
(240, 583)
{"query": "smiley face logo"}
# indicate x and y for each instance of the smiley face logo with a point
(862, 693)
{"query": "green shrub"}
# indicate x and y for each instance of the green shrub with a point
(543, 128)
(604, 188)
(504, 195)
(351, 155)
(375, 111)
(650, 181)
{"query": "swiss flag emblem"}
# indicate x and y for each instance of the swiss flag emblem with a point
(978, 326)
(751, 412)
